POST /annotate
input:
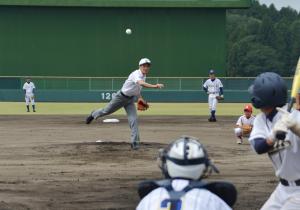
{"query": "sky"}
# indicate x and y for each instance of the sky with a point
(283, 3)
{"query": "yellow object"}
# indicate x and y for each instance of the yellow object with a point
(296, 82)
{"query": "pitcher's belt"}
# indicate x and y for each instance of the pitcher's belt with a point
(129, 97)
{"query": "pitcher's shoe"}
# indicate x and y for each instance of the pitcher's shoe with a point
(135, 145)
(89, 119)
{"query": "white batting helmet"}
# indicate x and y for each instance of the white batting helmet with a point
(185, 158)
(144, 61)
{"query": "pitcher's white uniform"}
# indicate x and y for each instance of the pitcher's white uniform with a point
(29, 89)
(243, 120)
(286, 163)
(213, 90)
(131, 86)
(196, 199)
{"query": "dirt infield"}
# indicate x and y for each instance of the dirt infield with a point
(53, 162)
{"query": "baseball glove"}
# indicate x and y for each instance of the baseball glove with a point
(220, 98)
(246, 129)
(142, 105)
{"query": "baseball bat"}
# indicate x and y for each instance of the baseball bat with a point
(298, 101)
(294, 94)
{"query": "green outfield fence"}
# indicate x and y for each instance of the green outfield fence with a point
(100, 89)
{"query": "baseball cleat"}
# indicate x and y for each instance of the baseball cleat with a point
(135, 145)
(212, 119)
(239, 141)
(89, 119)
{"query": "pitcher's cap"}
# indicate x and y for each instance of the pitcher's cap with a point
(144, 61)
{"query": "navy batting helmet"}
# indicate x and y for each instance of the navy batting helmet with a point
(268, 90)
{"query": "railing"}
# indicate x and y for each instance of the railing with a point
(236, 84)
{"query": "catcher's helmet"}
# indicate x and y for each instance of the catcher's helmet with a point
(185, 158)
(268, 90)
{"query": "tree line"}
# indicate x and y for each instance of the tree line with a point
(262, 39)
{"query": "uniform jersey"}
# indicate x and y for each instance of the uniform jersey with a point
(213, 87)
(286, 161)
(243, 120)
(29, 88)
(131, 87)
(195, 199)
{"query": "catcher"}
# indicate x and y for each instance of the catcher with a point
(244, 124)
(185, 164)
(126, 97)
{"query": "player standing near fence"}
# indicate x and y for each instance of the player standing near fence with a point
(126, 97)
(214, 89)
(29, 90)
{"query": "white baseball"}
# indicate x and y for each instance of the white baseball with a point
(128, 31)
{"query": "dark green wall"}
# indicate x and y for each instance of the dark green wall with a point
(132, 3)
(75, 41)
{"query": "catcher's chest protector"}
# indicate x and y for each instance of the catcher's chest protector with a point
(226, 191)
(175, 196)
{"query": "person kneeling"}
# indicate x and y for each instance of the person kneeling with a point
(244, 124)
(184, 164)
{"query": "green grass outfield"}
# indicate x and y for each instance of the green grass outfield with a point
(198, 109)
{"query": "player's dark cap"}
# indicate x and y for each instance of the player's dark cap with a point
(268, 90)
(211, 71)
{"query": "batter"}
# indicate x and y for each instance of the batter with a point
(268, 92)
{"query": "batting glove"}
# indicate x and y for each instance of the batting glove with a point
(279, 127)
(289, 121)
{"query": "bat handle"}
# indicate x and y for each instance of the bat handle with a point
(290, 104)
(280, 135)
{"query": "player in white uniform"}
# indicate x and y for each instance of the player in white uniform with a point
(243, 122)
(184, 163)
(29, 90)
(214, 88)
(268, 92)
(126, 97)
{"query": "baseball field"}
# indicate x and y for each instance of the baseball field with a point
(50, 159)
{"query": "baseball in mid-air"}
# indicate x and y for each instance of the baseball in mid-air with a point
(128, 31)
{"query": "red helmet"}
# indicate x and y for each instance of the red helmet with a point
(248, 108)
